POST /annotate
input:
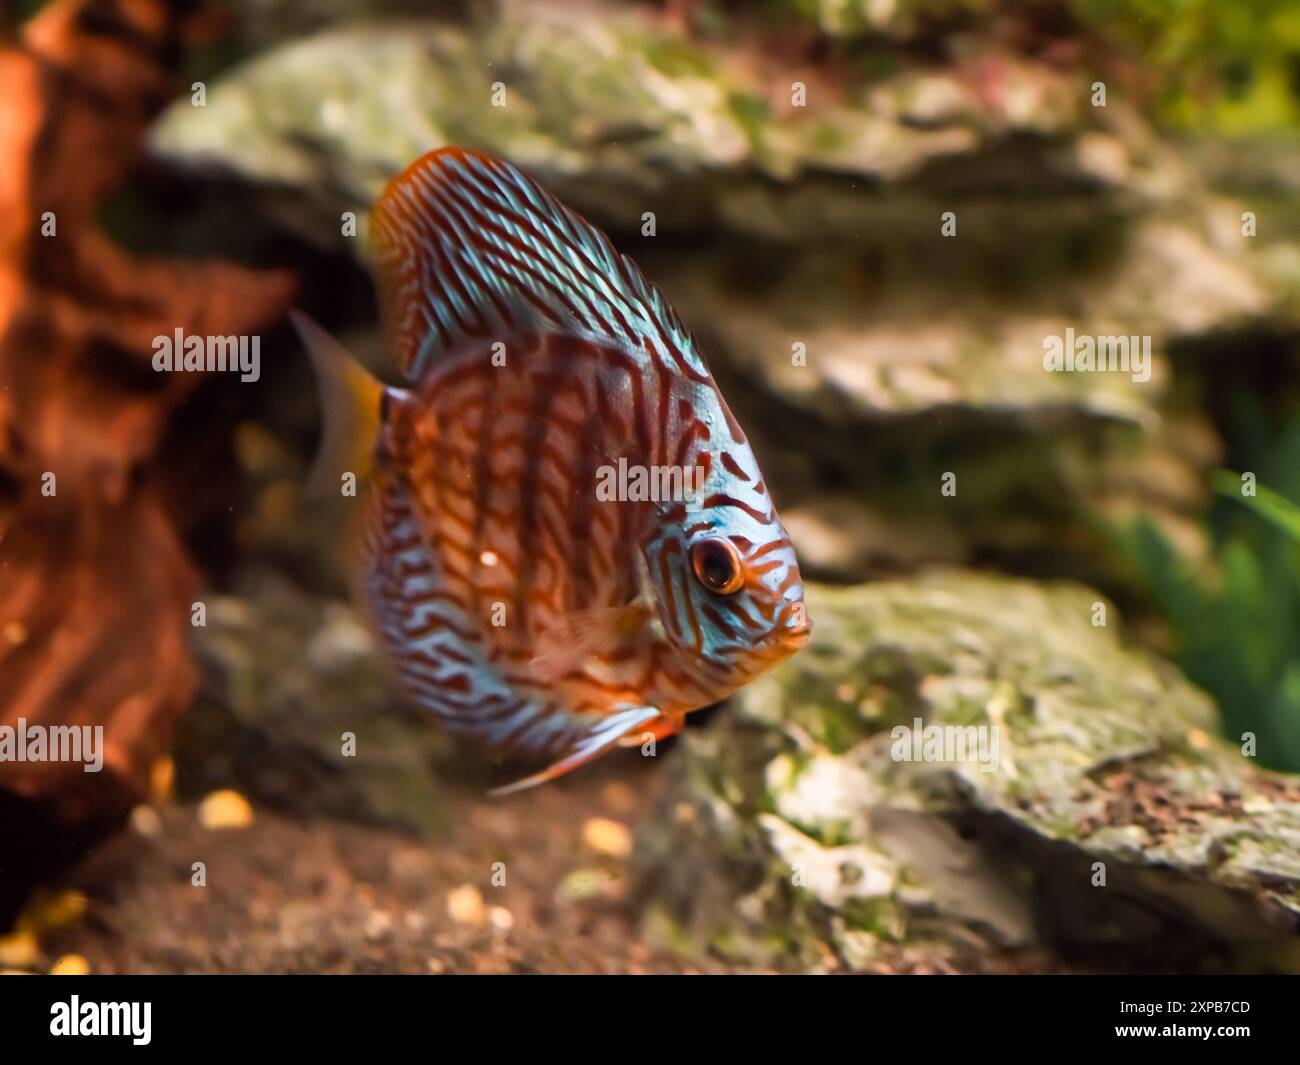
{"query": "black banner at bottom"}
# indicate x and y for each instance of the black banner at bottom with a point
(340, 1014)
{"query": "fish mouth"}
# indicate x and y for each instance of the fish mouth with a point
(786, 640)
(796, 638)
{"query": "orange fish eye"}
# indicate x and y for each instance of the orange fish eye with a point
(717, 566)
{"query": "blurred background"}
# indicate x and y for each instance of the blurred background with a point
(873, 213)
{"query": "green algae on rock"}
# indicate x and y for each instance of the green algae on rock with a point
(622, 106)
(1110, 818)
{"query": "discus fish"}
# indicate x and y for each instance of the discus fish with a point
(533, 577)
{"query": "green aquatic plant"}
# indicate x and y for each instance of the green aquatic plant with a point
(1268, 504)
(1236, 632)
(1230, 67)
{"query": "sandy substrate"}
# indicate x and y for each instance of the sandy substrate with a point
(327, 896)
(285, 895)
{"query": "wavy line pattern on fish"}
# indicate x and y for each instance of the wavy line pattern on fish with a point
(516, 599)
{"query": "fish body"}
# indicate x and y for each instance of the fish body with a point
(525, 587)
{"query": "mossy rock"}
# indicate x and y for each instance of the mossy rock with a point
(1101, 814)
(297, 712)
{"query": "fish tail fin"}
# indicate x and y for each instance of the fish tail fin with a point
(351, 399)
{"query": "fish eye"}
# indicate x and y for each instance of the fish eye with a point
(716, 564)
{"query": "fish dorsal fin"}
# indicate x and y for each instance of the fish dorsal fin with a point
(470, 248)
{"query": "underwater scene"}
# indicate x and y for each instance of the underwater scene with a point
(649, 487)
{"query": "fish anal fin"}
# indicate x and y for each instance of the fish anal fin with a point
(659, 729)
(608, 731)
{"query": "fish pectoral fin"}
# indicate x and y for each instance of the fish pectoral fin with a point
(582, 634)
(606, 732)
